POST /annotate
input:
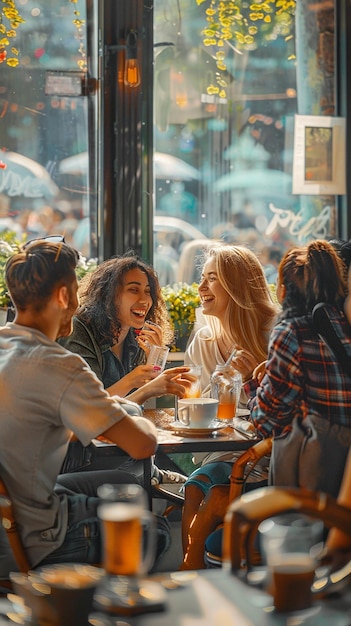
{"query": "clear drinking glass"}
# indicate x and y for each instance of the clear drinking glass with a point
(291, 544)
(158, 357)
(225, 387)
(194, 391)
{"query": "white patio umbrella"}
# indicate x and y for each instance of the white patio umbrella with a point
(165, 166)
(169, 166)
(22, 176)
(256, 182)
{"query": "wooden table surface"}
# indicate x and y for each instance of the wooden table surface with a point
(226, 439)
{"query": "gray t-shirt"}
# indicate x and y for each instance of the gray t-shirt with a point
(46, 393)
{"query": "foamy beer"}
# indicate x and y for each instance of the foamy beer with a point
(124, 522)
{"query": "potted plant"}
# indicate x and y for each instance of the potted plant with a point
(9, 245)
(182, 301)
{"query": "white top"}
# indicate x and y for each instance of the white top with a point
(205, 352)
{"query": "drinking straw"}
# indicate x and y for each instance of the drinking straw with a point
(231, 357)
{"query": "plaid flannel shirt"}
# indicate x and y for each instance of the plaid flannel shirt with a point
(302, 377)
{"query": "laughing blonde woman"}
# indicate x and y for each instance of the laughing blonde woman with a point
(239, 313)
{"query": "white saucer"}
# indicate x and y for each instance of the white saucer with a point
(119, 595)
(188, 431)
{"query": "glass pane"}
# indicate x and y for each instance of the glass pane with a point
(226, 93)
(44, 131)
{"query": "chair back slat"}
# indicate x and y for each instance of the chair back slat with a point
(9, 524)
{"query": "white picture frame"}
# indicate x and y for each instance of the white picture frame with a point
(319, 162)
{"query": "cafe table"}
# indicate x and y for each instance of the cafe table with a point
(170, 442)
(217, 598)
(213, 598)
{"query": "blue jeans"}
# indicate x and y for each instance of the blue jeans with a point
(82, 543)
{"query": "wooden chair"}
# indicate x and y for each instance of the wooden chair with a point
(213, 508)
(15, 546)
(246, 513)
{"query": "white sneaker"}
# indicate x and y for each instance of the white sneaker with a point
(167, 477)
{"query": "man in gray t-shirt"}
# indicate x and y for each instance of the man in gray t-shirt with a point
(48, 393)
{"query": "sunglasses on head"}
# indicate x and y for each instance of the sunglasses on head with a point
(50, 238)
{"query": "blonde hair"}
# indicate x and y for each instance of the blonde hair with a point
(251, 312)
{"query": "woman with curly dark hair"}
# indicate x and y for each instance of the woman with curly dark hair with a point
(121, 313)
(121, 310)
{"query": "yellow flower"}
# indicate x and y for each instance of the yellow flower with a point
(10, 13)
(256, 16)
(209, 42)
(12, 62)
(273, 290)
(182, 301)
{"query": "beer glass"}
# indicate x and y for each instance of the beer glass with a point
(126, 522)
(291, 544)
(129, 547)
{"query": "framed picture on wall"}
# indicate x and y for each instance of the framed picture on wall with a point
(319, 163)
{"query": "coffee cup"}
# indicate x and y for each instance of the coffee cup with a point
(59, 594)
(290, 545)
(197, 412)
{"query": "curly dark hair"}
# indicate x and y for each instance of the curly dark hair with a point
(97, 293)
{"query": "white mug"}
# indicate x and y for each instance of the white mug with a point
(197, 412)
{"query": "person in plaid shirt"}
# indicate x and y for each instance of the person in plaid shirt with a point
(302, 375)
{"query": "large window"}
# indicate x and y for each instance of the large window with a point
(44, 128)
(225, 101)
